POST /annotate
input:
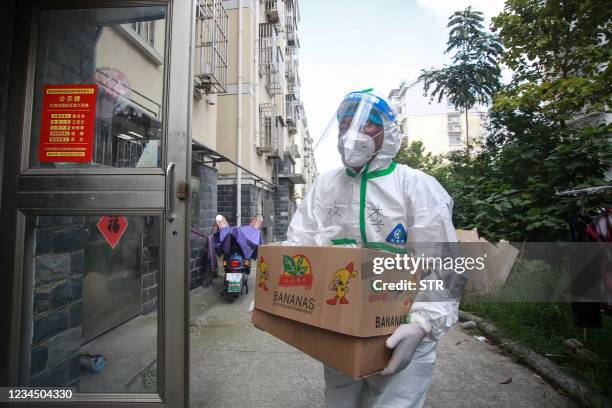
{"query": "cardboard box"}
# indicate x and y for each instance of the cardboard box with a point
(322, 301)
(355, 356)
(500, 259)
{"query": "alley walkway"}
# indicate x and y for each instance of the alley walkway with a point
(235, 365)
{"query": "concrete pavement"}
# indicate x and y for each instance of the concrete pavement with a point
(470, 373)
(235, 365)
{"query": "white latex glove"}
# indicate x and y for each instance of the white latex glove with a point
(404, 342)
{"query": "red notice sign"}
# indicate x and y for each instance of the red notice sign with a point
(112, 228)
(67, 127)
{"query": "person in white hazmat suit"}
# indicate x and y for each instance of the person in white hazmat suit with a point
(376, 203)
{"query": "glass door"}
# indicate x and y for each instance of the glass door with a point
(95, 209)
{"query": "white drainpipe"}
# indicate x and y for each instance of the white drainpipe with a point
(256, 62)
(239, 123)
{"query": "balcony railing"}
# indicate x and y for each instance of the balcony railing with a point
(210, 68)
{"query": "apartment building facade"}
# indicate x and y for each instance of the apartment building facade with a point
(440, 127)
(249, 123)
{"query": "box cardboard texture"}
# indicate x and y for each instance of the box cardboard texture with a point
(500, 258)
(321, 301)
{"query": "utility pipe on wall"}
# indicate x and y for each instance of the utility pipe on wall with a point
(256, 71)
(256, 76)
(239, 122)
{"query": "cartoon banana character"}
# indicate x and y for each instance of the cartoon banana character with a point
(263, 274)
(339, 284)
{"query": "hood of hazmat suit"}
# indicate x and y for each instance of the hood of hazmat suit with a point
(364, 128)
(382, 205)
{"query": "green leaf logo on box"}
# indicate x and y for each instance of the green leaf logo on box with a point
(296, 271)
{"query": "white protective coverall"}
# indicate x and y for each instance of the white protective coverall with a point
(365, 208)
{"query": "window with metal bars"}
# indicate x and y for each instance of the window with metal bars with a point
(211, 46)
(145, 30)
(268, 38)
(267, 140)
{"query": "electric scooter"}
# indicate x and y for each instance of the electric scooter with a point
(238, 245)
(237, 270)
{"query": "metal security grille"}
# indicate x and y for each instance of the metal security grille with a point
(274, 11)
(292, 64)
(293, 76)
(291, 15)
(293, 113)
(291, 21)
(211, 46)
(145, 30)
(271, 62)
(293, 89)
(294, 152)
(117, 149)
(267, 140)
(276, 78)
(128, 124)
(268, 38)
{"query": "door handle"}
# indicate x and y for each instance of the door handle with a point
(169, 191)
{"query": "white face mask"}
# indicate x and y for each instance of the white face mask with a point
(356, 148)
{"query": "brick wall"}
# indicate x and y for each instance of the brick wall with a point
(149, 279)
(226, 202)
(196, 261)
(199, 270)
(284, 201)
(58, 277)
(251, 201)
(283, 208)
(208, 197)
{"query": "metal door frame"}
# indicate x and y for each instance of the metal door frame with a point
(108, 191)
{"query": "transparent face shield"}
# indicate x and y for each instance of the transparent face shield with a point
(356, 130)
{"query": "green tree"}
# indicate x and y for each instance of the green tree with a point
(474, 75)
(560, 55)
(414, 155)
(507, 189)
